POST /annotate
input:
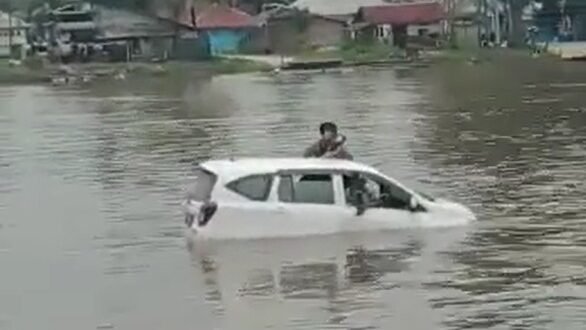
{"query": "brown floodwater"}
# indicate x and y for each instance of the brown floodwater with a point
(91, 179)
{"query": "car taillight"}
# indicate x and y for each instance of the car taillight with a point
(189, 218)
(206, 212)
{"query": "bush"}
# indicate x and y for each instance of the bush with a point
(367, 50)
(34, 63)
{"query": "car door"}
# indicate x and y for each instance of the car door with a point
(388, 205)
(246, 209)
(311, 201)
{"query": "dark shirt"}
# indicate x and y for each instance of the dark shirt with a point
(322, 147)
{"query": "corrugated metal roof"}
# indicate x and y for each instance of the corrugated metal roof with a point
(288, 12)
(402, 14)
(76, 26)
(217, 16)
(15, 21)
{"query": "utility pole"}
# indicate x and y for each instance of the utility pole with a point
(10, 32)
(451, 9)
(511, 24)
(479, 19)
(497, 27)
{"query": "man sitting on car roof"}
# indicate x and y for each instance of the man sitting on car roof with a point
(330, 145)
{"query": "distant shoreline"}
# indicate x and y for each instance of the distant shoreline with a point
(64, 74)
(33, 71)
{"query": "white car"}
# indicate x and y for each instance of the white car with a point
(275, 197)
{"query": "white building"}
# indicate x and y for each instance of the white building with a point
(13, 36)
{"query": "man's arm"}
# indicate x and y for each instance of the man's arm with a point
(312, 151)
(340, 153)
(344, 154)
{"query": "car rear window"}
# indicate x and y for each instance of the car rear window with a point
(201, 189)
(254, 187)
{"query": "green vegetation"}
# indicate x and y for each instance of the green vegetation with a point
(231, 66)
(354, 52)
(32, 70)
(485, 55)
(185, 69)
(366, 51)
(461, 54)
(21, 74)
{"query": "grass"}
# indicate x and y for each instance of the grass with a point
(366, 51)
(352, 52)
(232, 66)
(485, 54)
(185, 69)
(20, 74)
(33, 71)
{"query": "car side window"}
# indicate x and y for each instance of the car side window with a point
(254, 187)
(307, 189)
(392, 196)
(377, 191)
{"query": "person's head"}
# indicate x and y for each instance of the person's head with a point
(328, 130)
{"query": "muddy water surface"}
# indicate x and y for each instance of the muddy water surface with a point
(91, 178)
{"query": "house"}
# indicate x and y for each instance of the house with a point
(312, 24)
(68, 26)
(227, 29)
(330, 21)
(291, 30)
(466, 24)
(87, 32)
(574, 12)
(563, 21)
(13, 36)
(73, 23)
(396, 22)
(141, 37)
(485, 25)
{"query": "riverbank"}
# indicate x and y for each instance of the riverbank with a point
(31, 72)
(20, 74)
(36, 71)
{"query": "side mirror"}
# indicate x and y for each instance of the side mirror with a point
(413, 204)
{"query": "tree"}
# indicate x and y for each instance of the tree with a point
(549, 16)
(516, 29)
(7, 6)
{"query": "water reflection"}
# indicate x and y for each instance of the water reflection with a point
(261, 282)
(347, 273)
(309, 281)
(364, 266)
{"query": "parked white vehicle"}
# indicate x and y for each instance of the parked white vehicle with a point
(272, 197)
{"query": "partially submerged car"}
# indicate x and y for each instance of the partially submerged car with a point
(272, 197)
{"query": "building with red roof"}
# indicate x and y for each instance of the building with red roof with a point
(224, 17)
(397, 21)
(227, 28)
(402, 14)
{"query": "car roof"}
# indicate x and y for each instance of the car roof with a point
(230, 169)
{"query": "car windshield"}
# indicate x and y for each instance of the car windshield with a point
(201, 189)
